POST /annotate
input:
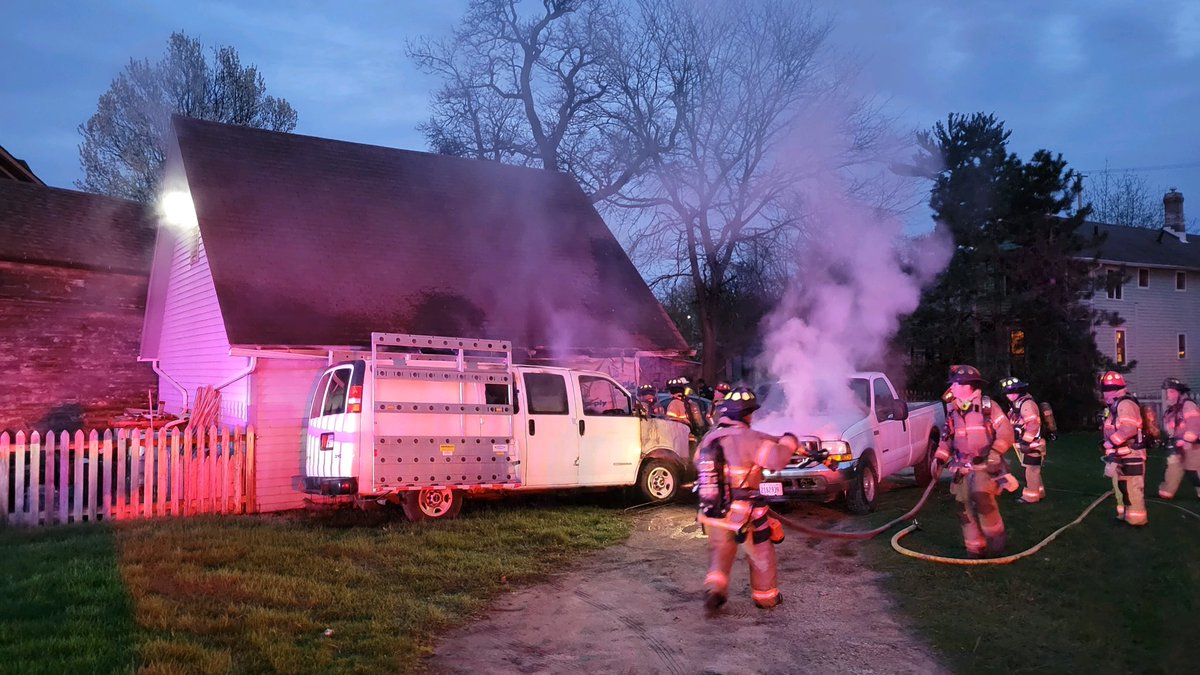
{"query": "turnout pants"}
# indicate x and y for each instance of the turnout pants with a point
(974, 492)
(1179, 466)
(760, 554)
(1131, 497)
(1031, 459)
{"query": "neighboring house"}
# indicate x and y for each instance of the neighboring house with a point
(288, 248)
(1153, 282)
(73, 276)
(12, 168)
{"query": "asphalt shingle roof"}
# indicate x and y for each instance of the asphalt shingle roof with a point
(1142, 246)
(314, 241)
(40, 224)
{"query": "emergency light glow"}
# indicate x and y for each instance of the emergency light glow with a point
(178, 210)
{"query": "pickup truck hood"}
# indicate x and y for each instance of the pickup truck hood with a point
(833, 427)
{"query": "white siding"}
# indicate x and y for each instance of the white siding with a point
(1154, 317)
(193, 348)
(281, 390)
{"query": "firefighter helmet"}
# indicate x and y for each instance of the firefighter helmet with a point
(678, 385)
(1112, 381)
(738, 403)
(647, 390)
(963, 374)
(723, 387)
(1176, 384)
(1013, 385)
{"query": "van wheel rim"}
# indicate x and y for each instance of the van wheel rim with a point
(434, 503)
(660, 482)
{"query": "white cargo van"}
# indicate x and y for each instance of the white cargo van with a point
(424, 420)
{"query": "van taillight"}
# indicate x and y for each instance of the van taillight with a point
(354, 400)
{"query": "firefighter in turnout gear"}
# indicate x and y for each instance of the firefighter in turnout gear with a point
(1182, 421)
(740, 517)
(1026, 420)
(1124, 448)
(719, 393)
(649, 398)
(684, 410)
(977, 436)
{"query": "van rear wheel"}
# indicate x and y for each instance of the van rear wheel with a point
(659, 481)
(431, 504)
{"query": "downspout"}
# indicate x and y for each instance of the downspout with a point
(239, 375)
(168, 378)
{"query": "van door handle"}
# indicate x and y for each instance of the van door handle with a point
(580, 427)
(531, 428)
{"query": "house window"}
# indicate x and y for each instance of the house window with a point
(1115, 285)
(1016, 342)
(1182, 346)
(1120, 346)
(1143, 278)
(1180, 281)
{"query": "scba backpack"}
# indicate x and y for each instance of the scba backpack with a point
(712, 487)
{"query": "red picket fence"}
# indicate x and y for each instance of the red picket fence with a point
(129, 473)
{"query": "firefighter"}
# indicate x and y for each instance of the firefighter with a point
(649, 399)
(1182, 421)
(684, 410)
(1026, 421)
(1124, 448)
(977, 436)
(745, 453)
(719, 393)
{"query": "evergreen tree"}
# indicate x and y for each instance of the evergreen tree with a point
(1013, 300)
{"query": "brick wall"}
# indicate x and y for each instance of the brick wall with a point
(68, 346)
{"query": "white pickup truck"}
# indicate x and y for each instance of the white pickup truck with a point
(881, 436)
(424, 421)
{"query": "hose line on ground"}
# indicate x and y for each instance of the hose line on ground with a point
(864, 534)
(989, 561)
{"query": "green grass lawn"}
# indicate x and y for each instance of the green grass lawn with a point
(337, 592)
(1102, 598)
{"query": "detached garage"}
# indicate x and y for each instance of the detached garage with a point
(276, 251)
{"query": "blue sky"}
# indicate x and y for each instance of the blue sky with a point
(1104, 82)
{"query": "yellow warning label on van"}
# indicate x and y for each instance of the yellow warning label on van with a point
(446, 448)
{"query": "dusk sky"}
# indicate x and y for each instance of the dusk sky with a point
(1105, 82)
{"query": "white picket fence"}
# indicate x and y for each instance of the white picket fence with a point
(125, 474)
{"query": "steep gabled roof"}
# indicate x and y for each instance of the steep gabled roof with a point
(1139, 246)
(40, 224)
(313, 241)
(12, 168)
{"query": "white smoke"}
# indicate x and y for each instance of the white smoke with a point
(857, 276)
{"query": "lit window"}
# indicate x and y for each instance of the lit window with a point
(1143, 278)
(1016, 342)
(1120, 346)
(1180, 281)
(1182, 346)
(1115, 285)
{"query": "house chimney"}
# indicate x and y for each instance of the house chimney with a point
(1173, 211)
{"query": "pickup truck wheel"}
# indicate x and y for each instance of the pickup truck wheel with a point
(860, 498)
(659, 481)
(432, 504)
(924, 467)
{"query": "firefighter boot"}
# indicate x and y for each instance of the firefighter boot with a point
(1135, 512)
(1173, 477)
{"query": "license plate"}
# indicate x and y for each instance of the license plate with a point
(770, 489)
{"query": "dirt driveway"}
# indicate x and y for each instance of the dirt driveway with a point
(636, 608)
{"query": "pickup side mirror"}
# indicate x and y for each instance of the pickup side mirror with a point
(895, 410)
(901, 410)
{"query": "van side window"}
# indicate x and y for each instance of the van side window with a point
(602, 397)
(547, 393)
(319, 396)
(335, 398)
(495, 394)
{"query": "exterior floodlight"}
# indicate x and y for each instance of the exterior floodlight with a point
(177, 210)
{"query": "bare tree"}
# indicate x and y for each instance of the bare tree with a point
(1122, 199)
(576, 87)
(123, 144)
(760, 88)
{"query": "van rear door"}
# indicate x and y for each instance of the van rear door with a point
(551, 455)
(332, 434)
